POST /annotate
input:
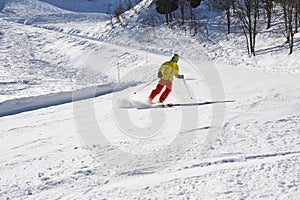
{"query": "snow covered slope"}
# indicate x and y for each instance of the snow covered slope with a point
(98, 6)
(75, 125)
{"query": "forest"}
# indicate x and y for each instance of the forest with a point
(250, 16)
(248, 12)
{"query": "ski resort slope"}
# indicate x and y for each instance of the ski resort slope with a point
(255, 156)
(75, 123)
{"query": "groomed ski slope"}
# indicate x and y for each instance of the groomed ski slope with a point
(255, 154)
(100, 146)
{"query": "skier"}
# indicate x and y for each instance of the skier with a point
(166, 73)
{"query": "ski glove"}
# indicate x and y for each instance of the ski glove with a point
(181, 76)
(159, 75)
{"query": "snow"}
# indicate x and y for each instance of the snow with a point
(75, 123)
(91, 5)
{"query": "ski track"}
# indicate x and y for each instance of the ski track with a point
(140, 180)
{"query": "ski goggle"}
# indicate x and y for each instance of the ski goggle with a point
(175, 59)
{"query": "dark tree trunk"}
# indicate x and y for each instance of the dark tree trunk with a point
(269, 7)
(228, 20)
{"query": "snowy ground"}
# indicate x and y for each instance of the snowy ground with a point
(70, 127)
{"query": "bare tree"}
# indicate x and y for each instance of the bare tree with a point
(118, 12)
(292, 22)
(297, 16)
(167, 7)
(268, 5)
(290, 16)
(226, 6)
(182, 4)
(248, 13)
(193, 16)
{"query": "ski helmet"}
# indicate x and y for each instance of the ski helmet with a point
(175, 57)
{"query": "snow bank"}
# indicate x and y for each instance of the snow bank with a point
(15, 106)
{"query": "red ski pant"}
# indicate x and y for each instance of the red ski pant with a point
(159, 88)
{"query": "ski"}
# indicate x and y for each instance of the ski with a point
(157, 105)
(161, 105)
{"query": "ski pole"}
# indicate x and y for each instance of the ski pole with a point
(144, 86)
(187, 89)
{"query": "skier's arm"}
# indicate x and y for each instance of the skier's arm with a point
(159, 74)
(177, 75)
(161, 71)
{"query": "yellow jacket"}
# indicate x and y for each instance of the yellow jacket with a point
(169, 69)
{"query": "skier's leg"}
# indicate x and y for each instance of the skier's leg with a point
(156, 91)
(167, 91)
(165, 94)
